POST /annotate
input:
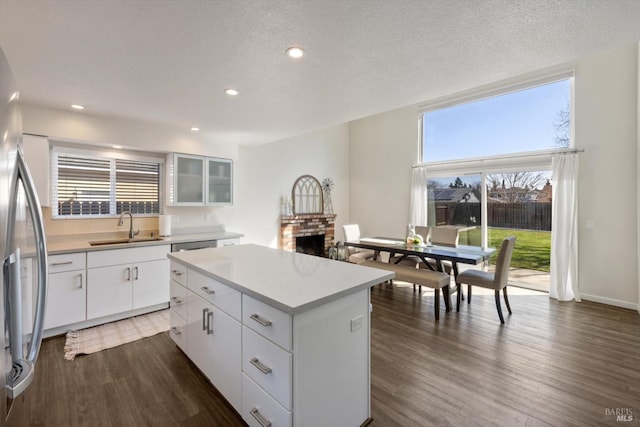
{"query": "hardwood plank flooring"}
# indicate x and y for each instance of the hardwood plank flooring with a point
(558, 364)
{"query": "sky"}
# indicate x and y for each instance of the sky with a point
(515, 122)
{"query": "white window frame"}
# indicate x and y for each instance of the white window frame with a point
(100, 152)
(505, 163)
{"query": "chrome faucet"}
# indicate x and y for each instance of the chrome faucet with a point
(121, 223)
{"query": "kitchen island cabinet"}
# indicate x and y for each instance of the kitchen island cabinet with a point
(302, 332)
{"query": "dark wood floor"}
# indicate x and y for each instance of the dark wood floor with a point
(560, 364)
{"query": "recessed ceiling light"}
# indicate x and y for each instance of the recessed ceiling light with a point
(231, 92)
(117, 147)
(77, 107)
(195, 129)
(295, 52)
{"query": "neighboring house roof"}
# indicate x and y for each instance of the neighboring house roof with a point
(460, 195)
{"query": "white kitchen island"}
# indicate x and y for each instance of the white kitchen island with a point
(285, 337)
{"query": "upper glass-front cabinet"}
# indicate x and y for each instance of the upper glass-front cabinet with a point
(219, 185)
(197, 181)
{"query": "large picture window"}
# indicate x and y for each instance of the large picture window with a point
(487, 164)
(91, 185)
(531, 119)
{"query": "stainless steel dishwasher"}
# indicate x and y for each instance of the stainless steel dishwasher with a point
(190, 246)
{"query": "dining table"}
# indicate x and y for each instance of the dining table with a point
(461, 254)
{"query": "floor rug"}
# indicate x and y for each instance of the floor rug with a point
(97, 338)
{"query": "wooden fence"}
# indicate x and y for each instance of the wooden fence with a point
(523, 216)
(102, 207)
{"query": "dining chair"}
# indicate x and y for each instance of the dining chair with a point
(498, 280)
(355, 255)
(443, 236)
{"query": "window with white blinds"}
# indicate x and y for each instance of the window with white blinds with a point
(86, 185)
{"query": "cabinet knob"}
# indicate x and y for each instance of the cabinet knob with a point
(176, 331)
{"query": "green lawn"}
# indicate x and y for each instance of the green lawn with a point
(532, 250)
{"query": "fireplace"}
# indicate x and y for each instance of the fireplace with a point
(311, 245)
(317, 226)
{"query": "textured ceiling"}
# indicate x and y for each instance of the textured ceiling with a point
(170, 61)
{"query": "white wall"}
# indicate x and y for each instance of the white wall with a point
(270, 170)
(606, 115)
(383, 148)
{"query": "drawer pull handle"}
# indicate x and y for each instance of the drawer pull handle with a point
(207, 290)
(259, 418)
(177, 272)
(204, 318)
(260, 320)
(210, 323)
(55, 264)
(176, 300)
(264, 369)
(176, 331)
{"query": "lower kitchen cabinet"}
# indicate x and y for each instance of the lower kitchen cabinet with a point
(121, 280)
(66, 298)
(213, 344)
(67, 290)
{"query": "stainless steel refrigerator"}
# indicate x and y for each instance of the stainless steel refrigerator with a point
(22, 245)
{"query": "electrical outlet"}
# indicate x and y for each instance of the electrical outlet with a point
(356, 323)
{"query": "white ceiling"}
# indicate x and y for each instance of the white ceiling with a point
(169, 61)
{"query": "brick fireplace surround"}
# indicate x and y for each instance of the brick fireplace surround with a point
(306, 225)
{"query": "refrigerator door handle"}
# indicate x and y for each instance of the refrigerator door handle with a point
(23, 368)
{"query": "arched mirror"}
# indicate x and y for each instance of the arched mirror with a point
(307, 196)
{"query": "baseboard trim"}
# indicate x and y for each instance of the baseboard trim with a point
(611, 301)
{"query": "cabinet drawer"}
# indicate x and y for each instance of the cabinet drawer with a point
(256, 404)
(222, 296)
(67, 262)
(268, 365)
(267, 321)
(178, 330)
(178, 300)
(178, 272)
(127, 255)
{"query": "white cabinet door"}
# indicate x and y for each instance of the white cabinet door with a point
(150, 283)
(110, 290)
(214, 345)
(66, 299)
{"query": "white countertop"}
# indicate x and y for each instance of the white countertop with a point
(81, 244)
(289, 281)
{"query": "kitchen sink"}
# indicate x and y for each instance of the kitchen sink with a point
(123, 240)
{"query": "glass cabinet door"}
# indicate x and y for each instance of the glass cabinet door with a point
(219, 183)
(189, 182)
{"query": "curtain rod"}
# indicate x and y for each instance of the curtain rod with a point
(503, 157)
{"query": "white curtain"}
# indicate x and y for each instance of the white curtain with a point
(418, 207)
(564, 223)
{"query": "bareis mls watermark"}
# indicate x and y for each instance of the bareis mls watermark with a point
(619, 414)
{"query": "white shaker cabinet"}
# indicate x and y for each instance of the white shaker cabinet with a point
(67, 291)
(121, 280)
